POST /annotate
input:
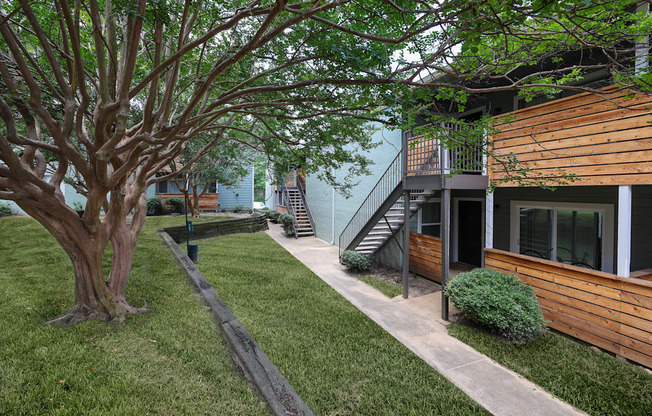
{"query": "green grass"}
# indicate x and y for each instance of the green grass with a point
(595, 383)
(169, 361)
(388, 289)
(337, 359)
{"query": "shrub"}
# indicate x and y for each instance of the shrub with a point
(5, 209)
(238, 208)
(287, 221)
(499, 301)
(154, 206)
(356, 261)
(273, 216)
(177, 205)
(77, 206)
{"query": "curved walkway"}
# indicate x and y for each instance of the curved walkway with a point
(415, 322)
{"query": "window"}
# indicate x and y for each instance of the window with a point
(428, 219)
(212, 188)
(577, 234)
(162, 187)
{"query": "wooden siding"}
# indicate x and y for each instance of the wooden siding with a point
(602, 309)
(207, 202)
(425, 256)
(604, 140)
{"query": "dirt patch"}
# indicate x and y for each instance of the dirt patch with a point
(419, 286)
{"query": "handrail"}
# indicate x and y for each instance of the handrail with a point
(307, 208)
(290, 208)
(428, 157)
(392, 177)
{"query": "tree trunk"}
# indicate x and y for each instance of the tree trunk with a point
(85, 247)
(195, 201)
(123, 241)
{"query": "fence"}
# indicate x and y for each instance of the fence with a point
(602, 309)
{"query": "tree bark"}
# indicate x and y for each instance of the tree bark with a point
(85, 247)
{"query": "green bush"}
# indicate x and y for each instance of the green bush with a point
(273, 216)
(5, 209)
(499, 301)
(177, 205)
(154, 206)
(288, 224)
(355, 261)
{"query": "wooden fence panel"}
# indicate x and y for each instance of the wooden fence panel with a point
(206, 201)
(603, 140)
(425, 256)
(611, 312)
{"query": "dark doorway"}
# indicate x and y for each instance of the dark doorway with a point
(469, 233)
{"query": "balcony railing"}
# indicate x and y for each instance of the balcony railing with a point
(427, 157)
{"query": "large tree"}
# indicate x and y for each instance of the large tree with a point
(115, 89)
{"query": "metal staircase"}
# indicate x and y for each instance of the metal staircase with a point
(298, 209)
(391, 222)
(380, 216)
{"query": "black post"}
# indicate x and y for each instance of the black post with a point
(406, 243)
(185, 198)
(445, 246)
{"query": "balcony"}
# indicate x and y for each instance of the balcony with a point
(429, 165)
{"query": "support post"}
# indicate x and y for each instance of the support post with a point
(445, 247)
(406, 243)
(624, 230)
(488, 223)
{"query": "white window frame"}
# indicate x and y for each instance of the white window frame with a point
(607, 211)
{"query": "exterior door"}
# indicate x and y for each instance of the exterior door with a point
(469, 237)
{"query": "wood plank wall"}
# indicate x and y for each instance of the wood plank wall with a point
(425, 256)
(210, 229)
(206, 202)
(604, 140)
(605, 310)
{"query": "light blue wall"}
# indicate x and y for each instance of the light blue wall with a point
(242, 196)
(320, 195)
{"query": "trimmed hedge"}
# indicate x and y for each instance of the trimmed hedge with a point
(154, 206)
(287, 221)
(273, 216)
(356, 261)
(177, 205)
(498, 301)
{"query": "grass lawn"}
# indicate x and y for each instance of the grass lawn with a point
(595, 383)
(338, 360)
(388, 289)
(169, 361)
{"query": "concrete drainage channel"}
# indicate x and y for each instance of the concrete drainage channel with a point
(279, 395)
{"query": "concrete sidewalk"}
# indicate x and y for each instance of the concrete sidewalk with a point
(416, 323)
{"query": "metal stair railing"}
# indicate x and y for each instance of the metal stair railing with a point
(387, 183)
(290, 208)
(307, 208)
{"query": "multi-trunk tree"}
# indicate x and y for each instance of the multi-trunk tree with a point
(115, 90)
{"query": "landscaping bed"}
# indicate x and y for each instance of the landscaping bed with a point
(337, 359)
(171, 360)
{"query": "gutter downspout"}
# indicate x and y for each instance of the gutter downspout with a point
(333, 218)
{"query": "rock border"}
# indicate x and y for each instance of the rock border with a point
(279, 395)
